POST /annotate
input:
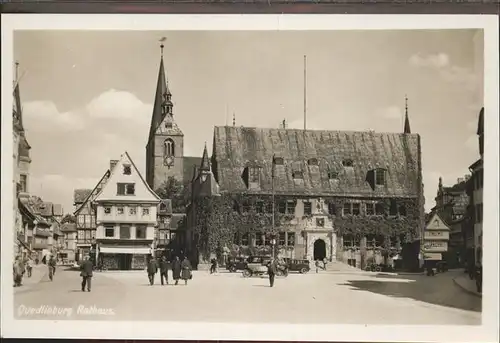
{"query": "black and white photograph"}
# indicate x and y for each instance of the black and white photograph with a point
(266, 176)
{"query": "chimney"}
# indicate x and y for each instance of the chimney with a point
(112, 164)
(467, 177)
(460, 180)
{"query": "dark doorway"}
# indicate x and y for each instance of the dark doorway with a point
(124, 261)
(319, 250)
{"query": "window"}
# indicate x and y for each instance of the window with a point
(402, 210)
(254, 174)
(312, 161)
(282, 239)
(278, 161)
(132, 211)
(259, 239)
(282, 207)
(169, 147)
(290, 207)
(269, 207)
(81, 220)
(236, 239)
(259, 207)
(356, 209)
(92, 222)
(320, 222)
(307, 208)
(125, 188)
(332, 208)
(346, 209)
(245, 206)
(127, 170)
(145, 211)
(348, 163)
(393, 210)
(119, 210)
(244, 239)
(140, 232)
(350, 241)
(370, 209)
(124, 231)
(290, 239)
(379, 209)
(379, 177)
(23, 181)
(163, 207)
(109, 231)
(298, 175)
(333, 175)
(373, 241)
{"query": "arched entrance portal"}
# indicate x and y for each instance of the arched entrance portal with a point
(319, 250)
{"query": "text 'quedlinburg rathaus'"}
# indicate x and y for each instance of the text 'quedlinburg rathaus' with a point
(339, 195)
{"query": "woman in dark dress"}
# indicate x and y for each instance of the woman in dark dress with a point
(186, 270)
(176, 269)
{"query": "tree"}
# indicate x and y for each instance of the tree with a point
(68, 218)
(173, 189)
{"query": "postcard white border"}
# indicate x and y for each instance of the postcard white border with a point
(487, 332)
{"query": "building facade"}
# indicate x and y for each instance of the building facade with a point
(476, 194)
(436, 238)
(86, 218)
(350, 196)
(126, 217)
(68, 249)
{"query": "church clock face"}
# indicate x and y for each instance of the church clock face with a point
(169, 161)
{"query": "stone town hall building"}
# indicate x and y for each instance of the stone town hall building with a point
(339, 195)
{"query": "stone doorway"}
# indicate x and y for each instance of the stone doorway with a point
(319, 252)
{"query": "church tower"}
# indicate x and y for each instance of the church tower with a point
(165, 147)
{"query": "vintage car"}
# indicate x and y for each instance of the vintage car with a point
(256, 266)
(294, 265)
(236, 263)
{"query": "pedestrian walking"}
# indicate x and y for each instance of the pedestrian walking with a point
(164, 270)
(186, 270)
(29, 266)
(52, 267)
(213, 266)
(152, 270)
(86, 273)
(18, 270)
(317, 266)
(271, 272)
(176, 270)
(325, 262)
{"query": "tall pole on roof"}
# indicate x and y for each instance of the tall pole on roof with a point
(305, 92)
(162, 40)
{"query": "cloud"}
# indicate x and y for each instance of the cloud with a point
(449, 73)
(66, 155)
(43, 116)
(432, 60)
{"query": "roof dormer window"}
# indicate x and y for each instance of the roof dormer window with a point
(127, 170)
(380, 177)
(348, 163)
(278, 161)
(312, 161)
(333, 175)
(298, 174)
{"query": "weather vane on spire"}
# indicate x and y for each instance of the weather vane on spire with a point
(162, 40)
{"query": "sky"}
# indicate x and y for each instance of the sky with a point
(87, 95)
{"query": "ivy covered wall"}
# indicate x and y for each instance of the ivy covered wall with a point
(215, 221)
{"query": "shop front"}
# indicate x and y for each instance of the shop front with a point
(116, 257)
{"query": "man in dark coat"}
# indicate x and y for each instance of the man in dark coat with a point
(176, 270)
(186, 270)
(86, 273)
(152, 270)
(18, 271)
(271, 271)
(52, 267)
(164, 270)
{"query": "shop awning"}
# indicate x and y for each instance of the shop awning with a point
(125, 250)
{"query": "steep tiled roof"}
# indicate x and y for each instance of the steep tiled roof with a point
(237, 147)
(80, 195)
(456, 188)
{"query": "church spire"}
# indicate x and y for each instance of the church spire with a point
(205, 163)
(160, 95)
(407, 120)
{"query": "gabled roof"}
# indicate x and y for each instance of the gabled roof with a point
(397, 153)
(434, 216)
(111, 195)
(90, 193)
(68, 227)
(80, 195)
